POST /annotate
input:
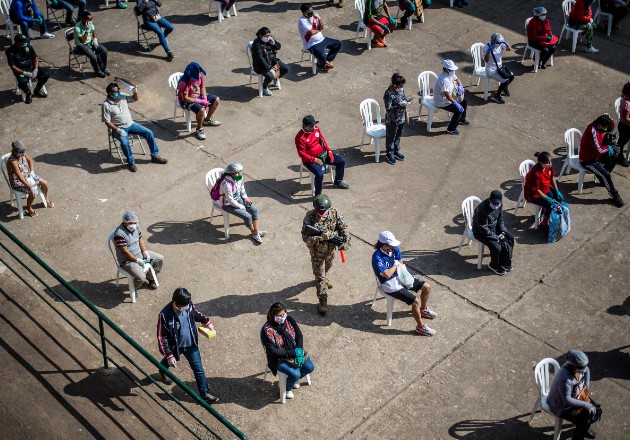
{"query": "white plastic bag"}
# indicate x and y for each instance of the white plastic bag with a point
(405, 278)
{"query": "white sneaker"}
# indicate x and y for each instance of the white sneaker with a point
(428, 313)
(256, 237)
(212, 122)
(48, 35)
(290, 395)
(262, 233)
(425, 330)
(592, 50)
(200, 134)
(296, 385)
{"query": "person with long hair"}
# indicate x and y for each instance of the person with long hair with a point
(265, 60)
(396, 103)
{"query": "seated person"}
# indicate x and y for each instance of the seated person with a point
(493, 57)
(153, 20)
(132, 252)
(192, 96)
(310, 26)
(618, 9)
(24, 63)
(68, 6)
(581, 18)
(264, 59)
(86, 42)
(448, 92)
(233, 199)
(410, 7)
(386, 261)
(379, 20)
(540, 37)
(25, 13)
(541, 187)
(488, 228)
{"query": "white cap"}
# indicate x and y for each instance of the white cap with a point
(449, 64)
(388, 238)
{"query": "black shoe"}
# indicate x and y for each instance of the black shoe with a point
(170, 56)
(166, 380)
(542, 66)
(106, 72)
(152, 285)
(341, 185)
(498, 270)
(497, 98)
(590, 434)
(621, 160)
(158, 159)
(617, 201)
(132, 167)
(464, 122)
(101, 74)
(507, 268)
(399, 156)
(210, 398)
(506, 92)
(390, 159)
(28, 99)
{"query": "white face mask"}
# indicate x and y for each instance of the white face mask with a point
(265, 39)
(280, 319)
(184, 308)
(546, 165)
(400, 91)
(451, 74)
(495, 207)
(132, 227)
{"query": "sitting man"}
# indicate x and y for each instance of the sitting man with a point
(24, 13)
(315, 154)
(154, 21)
(310, 26)
(85, 41)
(132, 252)
(379, 20)
(617, 8)
(581, 18)
(25, 66)
(192, 96)
(264, 59)
(447, 91)
(68, 5)
(488, 228)
(118, 119)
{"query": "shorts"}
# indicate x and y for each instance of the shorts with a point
(405, 295)
(195, 106)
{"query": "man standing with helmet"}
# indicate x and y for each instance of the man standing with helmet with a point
(324, 230)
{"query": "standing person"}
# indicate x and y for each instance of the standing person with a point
(117, 118)
(386, 260)
(154, 21)
(310, 26)
(618, 9)
(24, 64)
(379, 20)
(488, 228)
(177, 336)
(396, 103)
(581, 18)
(569, 395)
(25, 13)
(284, 345)
(447, 91)
(624, 124)
(85, 40)
(599, 155)
(324, 230)
(315, 154)
(541, 187)
(192, 96)
(264, 59)
(132, 251)
(540, 36)
(22, 177)
(493, 57)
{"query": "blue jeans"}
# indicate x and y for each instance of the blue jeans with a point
(316, 169)
(392, 140)
(319, 50)
(24, 25)
(294, 374)
(156, 27)
(138, 129)
(194, 359)
(67, 5)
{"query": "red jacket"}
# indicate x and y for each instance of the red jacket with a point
(579, 13)
(538, 31)
(538, 178)
(310, 145)
(591, 147)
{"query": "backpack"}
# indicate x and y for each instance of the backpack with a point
(215, 191)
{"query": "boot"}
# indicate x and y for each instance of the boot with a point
(322, 307)
(329, 284)
(621, 160)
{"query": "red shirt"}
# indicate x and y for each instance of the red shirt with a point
(591, 147)
(310, 145)
(538, 178)
(580, 14)
(538, 31)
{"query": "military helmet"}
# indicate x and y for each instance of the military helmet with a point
(322, 202)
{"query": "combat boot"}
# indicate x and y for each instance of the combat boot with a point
(329, 285)
(322, 307)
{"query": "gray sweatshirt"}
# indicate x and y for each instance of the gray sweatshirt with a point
(561, 392)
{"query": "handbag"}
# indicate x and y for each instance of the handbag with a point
(404, 276)
(503, 71)
(156, 18)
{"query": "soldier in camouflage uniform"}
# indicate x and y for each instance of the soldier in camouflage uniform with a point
(324, 230)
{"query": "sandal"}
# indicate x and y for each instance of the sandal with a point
(31, 213)
(50, 204)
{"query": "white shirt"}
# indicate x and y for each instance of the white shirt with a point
(305, 25)
(443, 83)
(491, 66)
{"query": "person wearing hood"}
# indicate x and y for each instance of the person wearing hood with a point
(192, 96)
(488, 228)
(264, 59)
(448, 94)
(569, 395)
(493, 57)
(540, 36)
(117, 118)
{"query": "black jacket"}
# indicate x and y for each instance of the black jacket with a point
(488, 222)
(264, 55)
(167, 329)
(275, 353)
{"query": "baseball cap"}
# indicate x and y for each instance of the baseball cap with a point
(388, 238)
(496, 196)
(309, 120)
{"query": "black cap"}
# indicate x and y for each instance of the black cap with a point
(309, 120)
(496, 196)
(19, 38)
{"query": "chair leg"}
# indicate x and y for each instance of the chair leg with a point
(575, 38)
(557, 429)
(188, 120)
(551, 60)
(486, 86)
(479, 255)
(313, 65)
(282, 386)
(19, 206)
(377, 147)
(368, 33)
(537, 217)
(132, 288)
(580, 181)
(390, 310)
(260, 86)
(226, 224)
(212, 213)
(534, 410)
(308, 379)
(461, 242)
(536, 60)
(430, 118)
(375, 295)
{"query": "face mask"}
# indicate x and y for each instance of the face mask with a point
(321, 212)
(183, 308)
(546, 165)
(132, 227)
(400, 91)
(495, 207)
(280, 319)
(542, 17)
(497, 45)
(308, 128)
(88, 23)
(265, 39)
(20, 154)
(238, 177)
(310, 13)
(117, 96)
(451, 73)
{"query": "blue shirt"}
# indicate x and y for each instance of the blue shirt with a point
(185, 338)
(381, 261)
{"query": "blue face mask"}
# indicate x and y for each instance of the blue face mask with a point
(117, 96)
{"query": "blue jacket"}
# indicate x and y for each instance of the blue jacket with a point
(167, 329)
(19, 9)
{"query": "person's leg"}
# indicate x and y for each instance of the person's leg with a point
(254, 216)
(415, 312)
(581, 419)
(284, 69)
(493, 246)
(457, 115)
(155, 27)
(340, 167)
(214, 103)
(124, 145)
(135, 271)
(147, 134)
(319, 52)
(293, 373)
(242, 214)
(43, 184)
(624, 137)
(24, 29)
(333, 47)
(194, 359)
(157, 261)
(42, 77)
(269, 77)
(316, 169)
(23, 83)
(89, 53)
(43, 27)
(505, 255)
(318, 264)
(81, 4)
(397, 135)
(328, 261)
(61, 4)
(307, 368)
(30, 198)
(102, 57)
(168, 28)
(603, 175)
(390, 135)
(587, 29)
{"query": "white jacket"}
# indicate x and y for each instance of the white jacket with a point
(230, 191)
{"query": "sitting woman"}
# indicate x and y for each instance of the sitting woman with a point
(581, 18)
(541, 187)
(386, 261)
(493, 57)
(192, 96)
(284, 346)
(234, 200)
(379, 20)
(540, 37)
(22, 176)
(154, 21)
(264, 59)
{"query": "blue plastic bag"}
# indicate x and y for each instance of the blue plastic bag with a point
(559, 223)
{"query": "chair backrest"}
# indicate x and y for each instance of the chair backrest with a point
(248, 51)
(476, 50)
(524, 167)
(425, 81)
(527, 22)
(173, 80)
(5, 158)
(543, 374)
(367, 115)
(617, 110)
(359, 5)
(212, 176)
(110, 242)
(69, 34)
(567, 5)
(572, 138)
(4, 9)
(468, 209)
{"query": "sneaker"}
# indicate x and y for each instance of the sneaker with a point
(213, 122)
(323, 69)
(382, 40)
(497, 98)
(28, 99)
(498, 270)
(341, 185)
(166, 380)
(266, 92)
(132, 167)
(592, 50)
(210, 398)
(617, 201)
(507, 268)
(399, 156)
(48, 35)
(158, 159)
(170, 56)
(453, 132)
(390, 159)
(329, 65)
(464, 122)
(262, 233)
(101, 74)
(376, 43)
(40, 93)
(152, 285)
(200, 134)
(621, 160)
(290, 394)
(106, 72)
(590, 434)
(542, 66)
(121, 5)
(428, 313)
(425, 330)
(256, 237)
(296, 386)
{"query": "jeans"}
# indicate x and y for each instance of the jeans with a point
(545, 51)
(457, 116)
(24, 25)
(500, 251)
(294, 374)
(581, 420)
(97, 57)
(316, 169)
(544, 203)
(67, 5)
(392, 139)
(319, 50)
(138, 129)
(157, 28)
(602, 169)
(248, 215)
(194, 359)
(270, 76)
(42, 77)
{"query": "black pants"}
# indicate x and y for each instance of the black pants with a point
(624, 137)
(270, 77)
(405, 18)
(618, 12)
(97, 57)
(392, 140)
(545, 51)
(581, 419)
(457, 116)
(504, 85)
(602, 169)
(42, 77)
(500, 251)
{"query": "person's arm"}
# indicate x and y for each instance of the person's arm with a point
(322, 139)
(199, 317)
(306, 27)
(600, 148)
(128, 255)
(483, 223)
(162, 337)
(300, 145)
(243, 193)
(29, 161)
(258, 54)
(270, 346)
(566, 388)
(20, 12)
(320, 22)
(388, 273)
(500, 223)
(486, 54)
(228, 191)
(275, 44)
(142, 5)
(143, 246)
(202, 87)
(16, 170)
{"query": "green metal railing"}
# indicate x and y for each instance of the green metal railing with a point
(106, 342)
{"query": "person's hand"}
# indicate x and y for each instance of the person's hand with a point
(336, 240)
(204, 102)
(559, 195)
(27, 74)
(145, 254)
(276, 67)
(391, 20)
(318, 161)
(35, 73)
(385, 28)
(299, 357)
(592, 409)
(550, 200)
(611, 150)
(506, 44)
(94, 43)
(141, 262)
(460, 88)
(172, 362)
(549, 37)
(458, 106)
(89, 25)
(121, 132)
(39, 19)
(502, 236)
(209, 325)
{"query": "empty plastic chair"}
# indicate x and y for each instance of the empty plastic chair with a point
(390, 301)
(359, 5)
(479, 71)
(567, 5)
(374, 129)
(543, 374)
(12, 28)
(468, 209)
(211, 177)
(533, 52)
(523, 169)
(18, 194)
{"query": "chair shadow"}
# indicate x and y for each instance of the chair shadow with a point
(104, 294)
(132, 47)
(92, 161)
(511, 191)
(280, 7)
(242, 93)
(197, 231)
(9, 97)
(507, 429)
(9, 213)
(611, 364)
(448, 262)
(620, 309)
(200, 19)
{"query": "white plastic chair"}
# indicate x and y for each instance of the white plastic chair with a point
(452, 3)
(12, 29)
(567, 5)
(252, 72)
(602, 15)
(303, 170)
(359, 5)
(533, 51)
(618, 113)
(173, 80)
(523, 169)
(425, 79)
(120, 271)
(410, 21)
(211, 177)
(312, 58)
(390, 301)
(375, 131)
(572, 138)
(218, 6)
(468, 209)
(543, 373)
(479, 71)
(18, 194)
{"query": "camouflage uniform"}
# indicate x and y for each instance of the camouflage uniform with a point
(322, 251)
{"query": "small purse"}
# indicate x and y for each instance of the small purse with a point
(156, 18)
